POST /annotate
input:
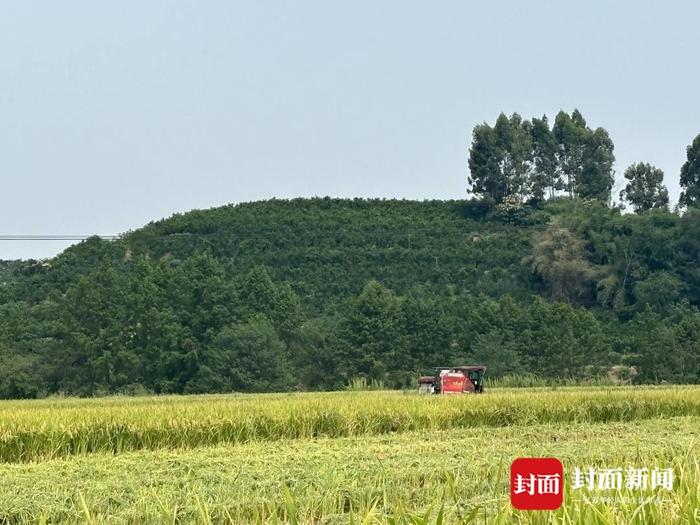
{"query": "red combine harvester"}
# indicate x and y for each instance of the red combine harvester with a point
(453, 380)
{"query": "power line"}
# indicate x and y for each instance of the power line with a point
(50, 237)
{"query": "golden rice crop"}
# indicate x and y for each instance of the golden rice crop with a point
(353, 457)
(457, 476)
(34, 430)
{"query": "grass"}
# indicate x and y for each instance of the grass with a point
(357, 457)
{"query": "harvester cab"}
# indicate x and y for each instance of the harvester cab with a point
(453, 380)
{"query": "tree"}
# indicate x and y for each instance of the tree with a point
(316, 355)
(652, 344)
(558, 256)
(544, 178)
(597, 176)
(500, 158)
(644, 189)
(561, 340)
(258, 294)
(497, 352)
(690, 176)
(522, 159)
(486, 178)
(247, 357)
(514, 136)
(687, 349)
(371, 333)
(687, 251)
(427, 335)
(585, 157)
(658, 291)
(570, 134)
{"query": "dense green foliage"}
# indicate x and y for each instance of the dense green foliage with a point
(690, 175)
(526, 160)
(644, 189)
(314, 293)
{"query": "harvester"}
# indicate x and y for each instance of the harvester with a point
(453, 380)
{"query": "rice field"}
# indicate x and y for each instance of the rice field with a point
(356, 457)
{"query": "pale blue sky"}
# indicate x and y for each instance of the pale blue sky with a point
(115, 114)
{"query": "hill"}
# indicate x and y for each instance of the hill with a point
(314, 293)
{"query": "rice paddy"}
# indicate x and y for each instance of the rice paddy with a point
(356, 457)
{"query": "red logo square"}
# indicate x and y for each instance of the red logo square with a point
(536, 483)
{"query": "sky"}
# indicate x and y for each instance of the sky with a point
(114, 114)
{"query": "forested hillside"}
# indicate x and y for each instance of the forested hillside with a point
(538, 273)
(313, 293)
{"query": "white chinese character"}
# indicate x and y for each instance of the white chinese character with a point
(662, 478)
(637, 478)
(610, 478)
(580, 479)
(548, 483)
(524, 484)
